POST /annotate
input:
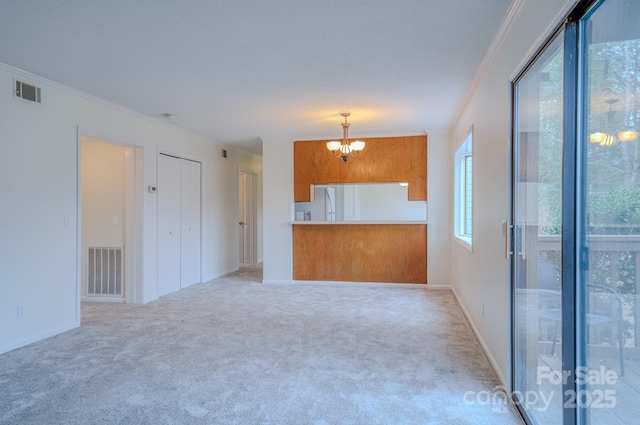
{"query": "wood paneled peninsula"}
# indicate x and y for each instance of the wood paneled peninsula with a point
(360, 251)
(380, 251)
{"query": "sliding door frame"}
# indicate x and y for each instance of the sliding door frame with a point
(574, 252)
(570, 173)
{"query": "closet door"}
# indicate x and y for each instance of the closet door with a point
(190, 223)
(169, 224)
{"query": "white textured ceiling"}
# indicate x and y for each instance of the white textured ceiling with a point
(242, 71)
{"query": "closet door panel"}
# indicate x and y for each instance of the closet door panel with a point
(190, 225)
(169, 224)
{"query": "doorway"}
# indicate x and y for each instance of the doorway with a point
(247, 217)
(110, 206)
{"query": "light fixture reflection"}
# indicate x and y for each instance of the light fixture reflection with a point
(609, 140)
(597, 137)
(628, 135)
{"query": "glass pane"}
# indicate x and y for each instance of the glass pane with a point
(468, 195)
(608, 309)
(537, 215)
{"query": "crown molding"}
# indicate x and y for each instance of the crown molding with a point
(488, 56)
(498, 40)
(242, 151)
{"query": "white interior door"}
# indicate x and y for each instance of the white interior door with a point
(242, 216)
(190, 223)
(247, 217)
(169, 224)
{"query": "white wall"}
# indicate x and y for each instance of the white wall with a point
(39, 253)
(103, 194)
(277, 160)
(439, 209)
(279, 207)
(481, 278)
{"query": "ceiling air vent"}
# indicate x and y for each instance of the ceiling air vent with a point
(27, 91)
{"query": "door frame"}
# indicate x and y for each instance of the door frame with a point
(133, 273)
(251, 183)
(572, 163)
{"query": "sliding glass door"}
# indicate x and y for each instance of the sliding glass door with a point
(537, 226)
(576, 222)
(609, 216)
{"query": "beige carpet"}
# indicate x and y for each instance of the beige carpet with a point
(234, 351)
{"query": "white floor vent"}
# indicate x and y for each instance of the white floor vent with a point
(105, 271)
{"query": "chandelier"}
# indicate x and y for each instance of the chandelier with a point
(344, 149)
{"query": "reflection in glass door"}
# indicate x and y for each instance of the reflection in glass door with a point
(537, 216)
(576, 213)
(609, 227)
(576, 252)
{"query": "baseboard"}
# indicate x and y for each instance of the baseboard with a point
(148, 300)
(40, 337)
(439, 287)
(277, 282)
(485, 348)
(222, 274)
(367, 284)
(103, 299)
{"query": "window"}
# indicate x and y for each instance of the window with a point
(463, 226)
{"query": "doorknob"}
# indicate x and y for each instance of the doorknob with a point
(241, 223)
